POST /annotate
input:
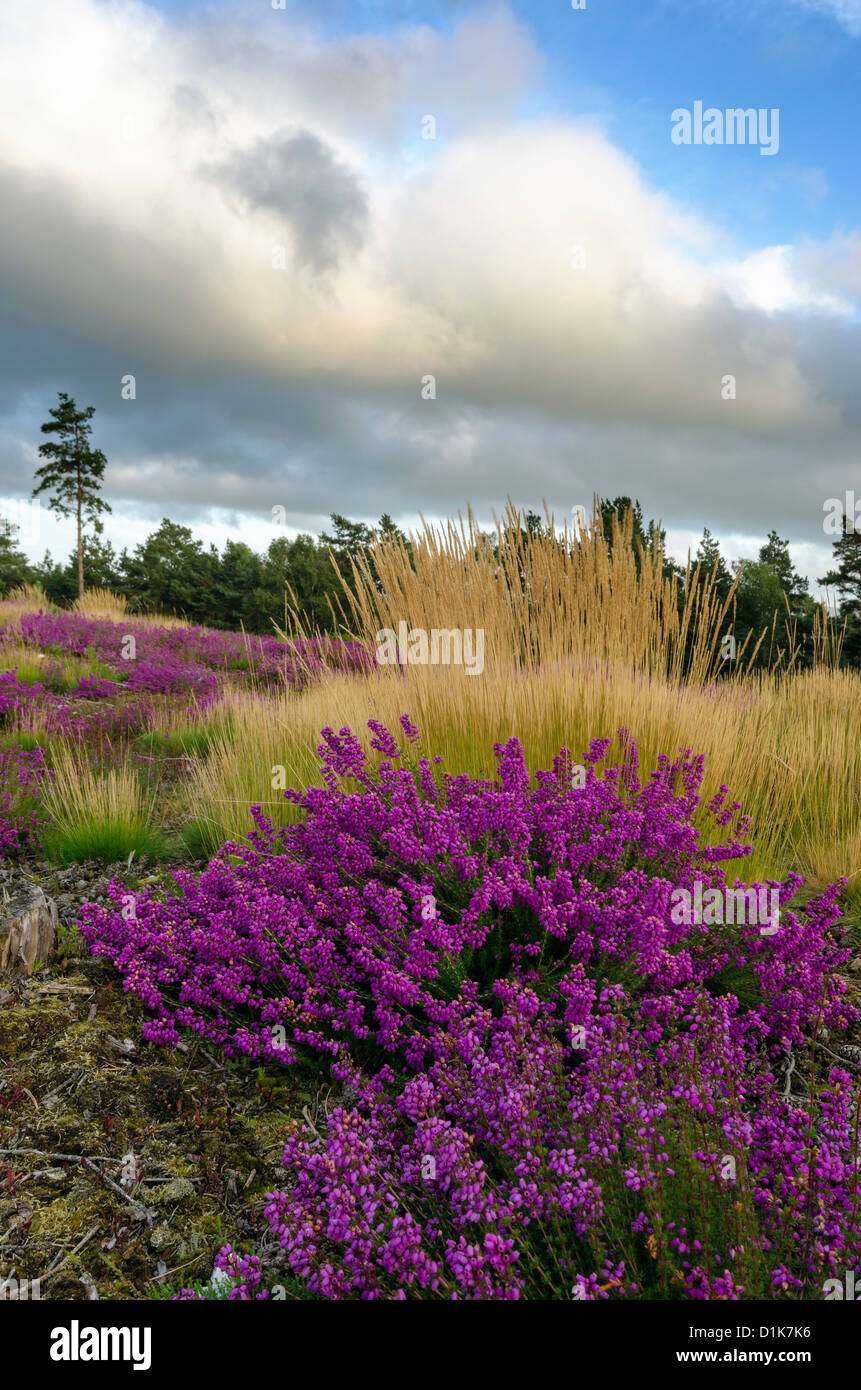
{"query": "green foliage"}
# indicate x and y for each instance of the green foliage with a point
(201, 838)
(15, 568)
(170, 572)
(188, 741)
(24, 738)
(73, 472)
(709, 556)
(69, 940)
(104, 838)
(845, 577)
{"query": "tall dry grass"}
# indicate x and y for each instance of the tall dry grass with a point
(106, 603)
(537, 601)
(24, 598)
(579, 644)
(786, 746)
(95, 603)
(101, 603)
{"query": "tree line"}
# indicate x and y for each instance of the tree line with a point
(173, 572)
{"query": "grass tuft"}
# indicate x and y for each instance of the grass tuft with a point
(97, 814)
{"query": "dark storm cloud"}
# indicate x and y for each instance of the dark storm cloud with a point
(295, 174)
(151, 255)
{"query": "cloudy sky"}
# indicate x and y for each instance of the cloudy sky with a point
(281, 221)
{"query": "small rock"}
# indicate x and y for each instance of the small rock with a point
(160, 1237)
(176, 1191)
(220, 1281)
(855, 965)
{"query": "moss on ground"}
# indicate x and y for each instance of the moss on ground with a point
(77, 1079)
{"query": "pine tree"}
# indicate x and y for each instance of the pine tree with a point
(775, 554)
(846, 576)
(15, 568)
(74, 470)
(709, 557)
(846, 579)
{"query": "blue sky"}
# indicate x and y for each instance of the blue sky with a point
(177, 144)
(628, 65)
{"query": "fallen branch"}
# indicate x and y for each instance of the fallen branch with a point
(62, 1158)
(89, 1163)
(55, 1268)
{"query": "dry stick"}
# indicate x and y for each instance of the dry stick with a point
(844, 1061)
(787, 1080)
(65, 1158)
(115, 1187)
(89, 1163)
(55, 1268)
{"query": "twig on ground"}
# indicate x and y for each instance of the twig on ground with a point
(55, 1268)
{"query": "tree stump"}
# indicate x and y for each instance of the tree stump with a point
(28, 929)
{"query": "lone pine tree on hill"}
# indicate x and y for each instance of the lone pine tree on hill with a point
(74, 470)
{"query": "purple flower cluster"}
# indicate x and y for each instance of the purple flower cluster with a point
(511, 1168)
(542, 1061)
(17, 697)
(243, 1274)
(22, 772)
(168, 674)
(94, 688)
(188, 658)
(23, 703)
(195, 661)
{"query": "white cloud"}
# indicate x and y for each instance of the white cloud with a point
(141, 208)
(464, 270)
(846, 12)
(771, 280)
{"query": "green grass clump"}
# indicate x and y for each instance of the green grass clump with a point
(202, 838)
(98, 813)
(189, 741)
(24, 738)
(103, 839)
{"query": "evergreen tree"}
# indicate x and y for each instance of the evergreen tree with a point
(845, 577)
(643, 536)
(170, 572)
(15, 568)
(775, 554)
(101, 565)
(710, 558)
(74, 470)
(51, 576)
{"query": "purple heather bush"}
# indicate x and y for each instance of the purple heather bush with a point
(553, 1091)
(93, 688)
(22, 772)
(167, 674)
(17, 697)
(198, 662)
(189, 658)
